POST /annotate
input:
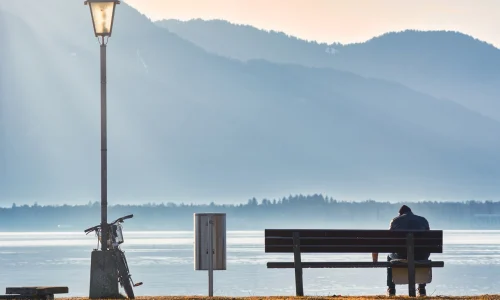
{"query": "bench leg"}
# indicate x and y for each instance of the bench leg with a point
(299, 287)
(411, 264)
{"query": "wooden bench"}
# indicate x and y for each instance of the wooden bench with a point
(35, 293)
(299, 241)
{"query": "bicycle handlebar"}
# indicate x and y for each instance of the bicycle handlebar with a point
(89, 230)
(119, 220)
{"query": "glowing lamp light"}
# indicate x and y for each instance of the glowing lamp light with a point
(103, 13)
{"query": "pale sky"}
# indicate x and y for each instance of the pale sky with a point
(344, 21)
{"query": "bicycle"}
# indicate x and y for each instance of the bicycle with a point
(115, 238)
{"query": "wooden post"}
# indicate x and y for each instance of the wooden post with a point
(410, 243)
(299, 287)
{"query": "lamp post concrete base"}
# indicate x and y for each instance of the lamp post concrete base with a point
(103, 276)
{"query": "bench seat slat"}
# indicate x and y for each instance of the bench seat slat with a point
(350, 241)
(341, 238)
(351, 249)
(351, 233)
(363, 264)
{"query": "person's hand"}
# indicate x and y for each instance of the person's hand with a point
(375, 257)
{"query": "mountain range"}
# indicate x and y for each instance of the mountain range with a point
(191, 121)
(445, 64)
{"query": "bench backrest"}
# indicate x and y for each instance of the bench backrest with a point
(352, 241)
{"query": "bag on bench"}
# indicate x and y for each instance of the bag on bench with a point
(400, 274)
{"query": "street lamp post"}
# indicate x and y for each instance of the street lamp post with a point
(102, 12)
(103, 274)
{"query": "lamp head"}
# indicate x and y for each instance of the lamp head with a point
(103, 13)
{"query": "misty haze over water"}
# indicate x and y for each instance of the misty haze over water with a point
(406, 116)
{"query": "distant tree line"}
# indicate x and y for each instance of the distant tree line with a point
(298, 211)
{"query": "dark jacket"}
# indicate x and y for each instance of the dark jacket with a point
(410, 221)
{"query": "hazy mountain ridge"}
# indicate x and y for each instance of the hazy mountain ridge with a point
(445, 64)
(187, 125)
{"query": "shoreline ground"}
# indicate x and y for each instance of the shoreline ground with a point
(480, 297)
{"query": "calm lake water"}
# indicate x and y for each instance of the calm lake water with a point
(164, 262)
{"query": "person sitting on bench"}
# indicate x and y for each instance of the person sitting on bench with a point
(406, 221)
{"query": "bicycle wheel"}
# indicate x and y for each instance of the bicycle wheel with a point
(124, 275)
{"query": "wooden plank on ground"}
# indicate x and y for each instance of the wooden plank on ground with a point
(37, 290)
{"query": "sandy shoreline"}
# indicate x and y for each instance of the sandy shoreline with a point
(482, 297)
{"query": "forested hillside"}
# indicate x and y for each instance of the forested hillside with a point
(314, 211)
